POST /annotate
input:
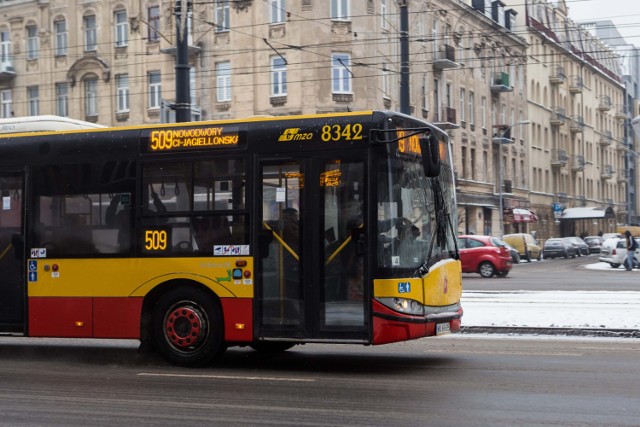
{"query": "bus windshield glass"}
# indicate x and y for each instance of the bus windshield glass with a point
(415, 221)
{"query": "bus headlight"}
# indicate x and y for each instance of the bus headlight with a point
(403, 305)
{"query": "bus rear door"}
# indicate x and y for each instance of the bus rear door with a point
(310, 257)
(12, 281)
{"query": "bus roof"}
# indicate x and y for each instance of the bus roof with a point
(46, 123)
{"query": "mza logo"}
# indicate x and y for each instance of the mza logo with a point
(294, 134)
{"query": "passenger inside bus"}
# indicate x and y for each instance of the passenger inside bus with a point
(122, 220)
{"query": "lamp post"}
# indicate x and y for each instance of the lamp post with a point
(501, 140)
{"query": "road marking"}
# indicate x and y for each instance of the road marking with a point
(226, 377)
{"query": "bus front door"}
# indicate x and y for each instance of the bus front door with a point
(310, 282)
(12, 290)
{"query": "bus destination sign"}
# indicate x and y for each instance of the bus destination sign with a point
(409, 145)
(193, 138)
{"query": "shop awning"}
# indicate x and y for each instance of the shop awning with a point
(524, 215)
(587, 213)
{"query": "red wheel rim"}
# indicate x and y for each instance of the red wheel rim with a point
(185, 327)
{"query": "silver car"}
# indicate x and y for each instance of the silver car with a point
(614, 252)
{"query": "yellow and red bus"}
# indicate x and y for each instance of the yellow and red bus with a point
(265, 232)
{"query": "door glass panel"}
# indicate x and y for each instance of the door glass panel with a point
(342, 224)
(11, 250)
(282, 267)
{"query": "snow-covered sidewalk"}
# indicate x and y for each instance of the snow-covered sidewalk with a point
(552, 309)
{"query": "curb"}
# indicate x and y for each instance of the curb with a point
(581, 332)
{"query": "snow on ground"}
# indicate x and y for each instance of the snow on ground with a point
(553, 309)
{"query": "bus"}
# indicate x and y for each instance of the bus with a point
(43, 123)
(266, 232)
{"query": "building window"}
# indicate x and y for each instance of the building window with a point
(5, 103)
(462, 105)
(33, 101)
(5, 47)
(340, 9)
(91, 97)
(122, 28)
(32, 42)
(90, 33)
(278, 76)
(61, 37)
(155, 89)
(383, 14)
(153, 29)
(385, 80)
(223, 81)
(277, 8)
(62, 99)
(483, 112)
(472, 113)
(222, 15)
(340, 73)
(122, 92)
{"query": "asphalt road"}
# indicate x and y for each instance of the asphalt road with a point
(557, 275)
(451, 381)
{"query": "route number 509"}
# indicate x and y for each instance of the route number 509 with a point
(155, 240)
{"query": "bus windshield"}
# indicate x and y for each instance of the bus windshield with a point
(415, 225)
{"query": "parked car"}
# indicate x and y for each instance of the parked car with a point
(526, 245)
(594, 243)
(485, 255)
(614, 252)
(515, 256)
(558, 248)
(581, 246)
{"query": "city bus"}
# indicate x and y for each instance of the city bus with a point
(267, 232)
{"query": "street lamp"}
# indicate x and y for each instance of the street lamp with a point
(501, 140)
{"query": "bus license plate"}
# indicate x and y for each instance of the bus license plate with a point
(443, 328)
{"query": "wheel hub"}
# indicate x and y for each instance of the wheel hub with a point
(185, 327)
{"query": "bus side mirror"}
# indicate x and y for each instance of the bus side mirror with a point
(431, 164)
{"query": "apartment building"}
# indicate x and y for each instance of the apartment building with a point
(113, 62)
(576, 107)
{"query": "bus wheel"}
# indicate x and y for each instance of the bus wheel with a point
(188, 327)
(271, 347)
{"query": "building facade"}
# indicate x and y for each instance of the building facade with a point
(534, 119)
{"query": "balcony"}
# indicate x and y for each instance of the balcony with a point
(604, 103)
(445, 118)
(577, 163)
(622, 146)
(581, 201)
(7, 72)
(445, 58)
(557, 76)
(621, 112)
(605, 138)
(606, 172)
(500, 83)
(623, 176)
(559, 158)
(575, 84)
(558, 116)
(577, 124)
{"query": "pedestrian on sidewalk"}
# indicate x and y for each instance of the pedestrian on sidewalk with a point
(631, 249)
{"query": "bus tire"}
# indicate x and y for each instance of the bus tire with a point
(188, 327)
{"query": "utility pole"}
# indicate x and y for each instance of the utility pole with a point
(404, 57)
(183, 101)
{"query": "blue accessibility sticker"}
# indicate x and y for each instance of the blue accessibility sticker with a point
(33, 265)
(33, 276)
(404, 287)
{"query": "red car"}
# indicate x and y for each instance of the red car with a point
(485, 255)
